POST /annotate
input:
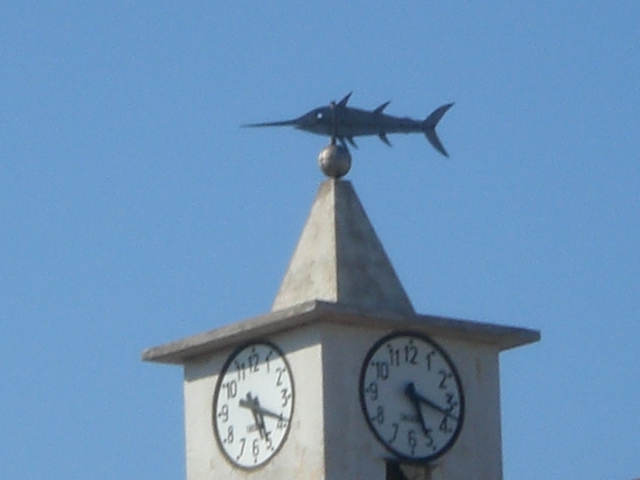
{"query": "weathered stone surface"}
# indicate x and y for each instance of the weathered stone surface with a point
(339, 258)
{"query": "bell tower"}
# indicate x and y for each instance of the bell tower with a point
(342, 379)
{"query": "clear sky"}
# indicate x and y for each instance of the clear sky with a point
(134, 210)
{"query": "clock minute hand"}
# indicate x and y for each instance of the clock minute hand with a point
(273, 415)
(428, 402)
(256, 407)
(410, 391)
(269, 413)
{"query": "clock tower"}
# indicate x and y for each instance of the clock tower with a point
(342, 379)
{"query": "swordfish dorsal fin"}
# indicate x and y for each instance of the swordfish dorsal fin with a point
(343, 102)
(382, 107)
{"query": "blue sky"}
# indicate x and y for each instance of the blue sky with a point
(135, 211)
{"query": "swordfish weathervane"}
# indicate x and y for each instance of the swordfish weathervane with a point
(342, 123)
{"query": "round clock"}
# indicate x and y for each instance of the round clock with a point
(411, 396)
(253, 404)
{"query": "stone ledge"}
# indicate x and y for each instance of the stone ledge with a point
(181, 351)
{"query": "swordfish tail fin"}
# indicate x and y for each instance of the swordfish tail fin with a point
(429, 127)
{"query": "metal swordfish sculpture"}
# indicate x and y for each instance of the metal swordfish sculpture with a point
(341, 122)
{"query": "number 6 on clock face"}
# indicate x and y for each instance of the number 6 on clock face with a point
(411, 396)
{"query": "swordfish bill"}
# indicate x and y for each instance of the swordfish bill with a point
(344, 123)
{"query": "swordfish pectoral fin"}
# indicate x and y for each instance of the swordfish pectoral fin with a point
(383, 137)
(342, 142)
(429, 128)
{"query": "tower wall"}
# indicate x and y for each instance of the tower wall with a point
(329, 437)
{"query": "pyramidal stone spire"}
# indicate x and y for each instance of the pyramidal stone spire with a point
(340, 259)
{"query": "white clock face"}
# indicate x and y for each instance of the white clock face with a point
(253, 404)
(411, 396)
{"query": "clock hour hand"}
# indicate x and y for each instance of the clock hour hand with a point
(410, 391)
(253, 404)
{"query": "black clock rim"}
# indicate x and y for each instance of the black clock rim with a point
(372, 350)
(223, 372)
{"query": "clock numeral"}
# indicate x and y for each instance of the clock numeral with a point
(382, 370)
(255, 448)
(412, 441)
(411, 354)
(428, 357)
(444, 376)
(229, 438)
(232, 389)
(240, 368)
(285, 396)
(395, 427)
(430, 442)
(379, 416)
(254, 361)
(267, 360)
(444, 425)
(282, 424)
(280, 372)
(224, 413)
(372, 390)
(243, 441)
(394, 355)
(451, 402)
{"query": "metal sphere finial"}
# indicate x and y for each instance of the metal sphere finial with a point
(335, 160)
